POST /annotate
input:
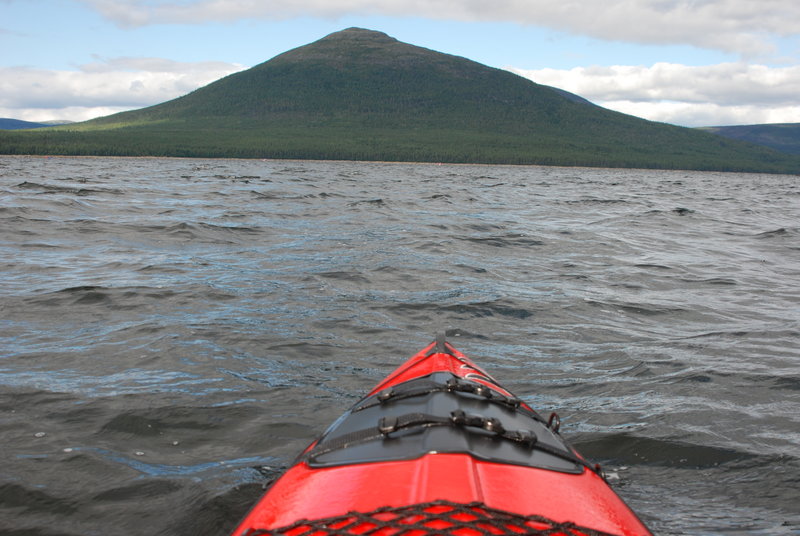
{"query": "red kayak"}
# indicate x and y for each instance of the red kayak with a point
(438, 447)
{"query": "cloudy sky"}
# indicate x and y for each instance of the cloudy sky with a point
(686, 62)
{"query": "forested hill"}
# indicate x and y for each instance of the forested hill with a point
(362, 95)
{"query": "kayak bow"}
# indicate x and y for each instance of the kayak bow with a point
(439, 447)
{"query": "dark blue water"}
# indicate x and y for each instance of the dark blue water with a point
(173, 332)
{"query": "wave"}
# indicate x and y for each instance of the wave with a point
(596, 201)
(642, 309)
(775, 233)
(138, 490)
(628, 449)
(55, 189)
(723, 281)
(378, 202)
(24, 498)
(506, 240)
(351, 277)
(499, 308)
(773, 334)
(100, 295)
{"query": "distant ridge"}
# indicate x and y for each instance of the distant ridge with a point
(17, 124)
(362, 95)
(783, 137)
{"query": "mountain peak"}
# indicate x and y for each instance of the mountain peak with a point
(359, 34)
(351, 46)
(361, 94)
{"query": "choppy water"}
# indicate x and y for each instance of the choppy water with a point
(173, 332)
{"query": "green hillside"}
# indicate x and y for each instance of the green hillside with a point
(361, 95)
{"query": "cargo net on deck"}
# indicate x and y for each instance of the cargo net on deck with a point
(428, 519)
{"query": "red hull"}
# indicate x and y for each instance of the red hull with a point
(306, 492)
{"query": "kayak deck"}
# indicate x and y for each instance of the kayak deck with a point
(439, 447)
(434, 518)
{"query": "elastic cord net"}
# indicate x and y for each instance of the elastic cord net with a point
(433, 518)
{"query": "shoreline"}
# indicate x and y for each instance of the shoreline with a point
(394, 162)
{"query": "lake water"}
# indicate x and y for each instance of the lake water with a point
(173, 332)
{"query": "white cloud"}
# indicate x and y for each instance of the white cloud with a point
(103, 87)
(706, 114)
(68, 113)
(746, 27)
(723, 94)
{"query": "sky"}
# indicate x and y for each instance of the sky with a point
(686, 62)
